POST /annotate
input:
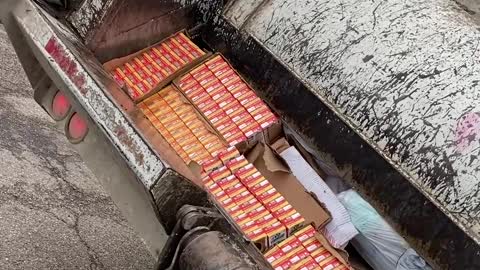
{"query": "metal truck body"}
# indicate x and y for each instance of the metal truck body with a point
(385, 92)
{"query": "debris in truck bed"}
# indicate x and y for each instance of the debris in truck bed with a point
(145, 71)
(226, 100)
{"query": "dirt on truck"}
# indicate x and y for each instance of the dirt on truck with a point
(270, 134)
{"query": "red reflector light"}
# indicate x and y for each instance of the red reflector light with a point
(60, 106)
(77, 128)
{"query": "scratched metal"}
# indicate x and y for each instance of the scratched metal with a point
(240, 11)
(89, 94)
(404, 74)
(88, 16)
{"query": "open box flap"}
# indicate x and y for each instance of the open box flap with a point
(341, 255)
(279, 175)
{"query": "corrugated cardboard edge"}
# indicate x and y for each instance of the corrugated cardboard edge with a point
(275, 165)
(278, 147)
(332, 250)
(116, 62)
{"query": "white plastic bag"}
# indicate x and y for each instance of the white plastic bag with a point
(377, 242)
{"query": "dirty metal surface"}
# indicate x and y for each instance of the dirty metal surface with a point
(405, 78)
(239, 12)
(171, 192)
(142, 160)
(129, 27)
(420, 218)
(89, 15)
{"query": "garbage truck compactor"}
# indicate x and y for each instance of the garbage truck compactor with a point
(384, 94)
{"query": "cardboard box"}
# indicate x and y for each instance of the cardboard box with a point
(264, 219)
(254, 178)
(234, 190)
(289, 244)
(279, 175)
(259, 187)
(267, 194)
(242, 197)
(330, 249)
(234, 85)
(258, 212)
(274, 201)
(227, 182)
(210, 165)
(320, 254)
(293, 223)
(234, 210)
(159, 61)
(274, 254)
(245, 172)
(215, 61)
(180, 120)
(247, 207)
(189, 45)
(330, 263)
(227, 203)
(219, 173)
(249, 226)
(276, 233)
(306, 264)
(236, 163)
(258, 237)
(240, 218)
(312, 244)
(305, 233)
(283, 264)
(298, 255)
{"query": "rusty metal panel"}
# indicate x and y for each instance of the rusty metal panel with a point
(404, 77)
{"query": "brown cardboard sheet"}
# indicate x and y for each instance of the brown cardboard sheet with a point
(277, 172)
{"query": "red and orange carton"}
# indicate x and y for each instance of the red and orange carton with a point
(306, 233)
(245, 172)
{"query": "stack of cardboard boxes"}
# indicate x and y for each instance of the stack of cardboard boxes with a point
(303, 251)
(229, 104)
(141, 74)
(259, 210)
(181, 126)
(204, 115)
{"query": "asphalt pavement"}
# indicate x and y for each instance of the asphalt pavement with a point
(53, 212)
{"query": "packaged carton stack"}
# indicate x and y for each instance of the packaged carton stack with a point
(181, 126)
(303, 250)
(140, 75)
(260, 211)
(230, 105)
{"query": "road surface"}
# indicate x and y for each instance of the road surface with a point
(53, 213)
